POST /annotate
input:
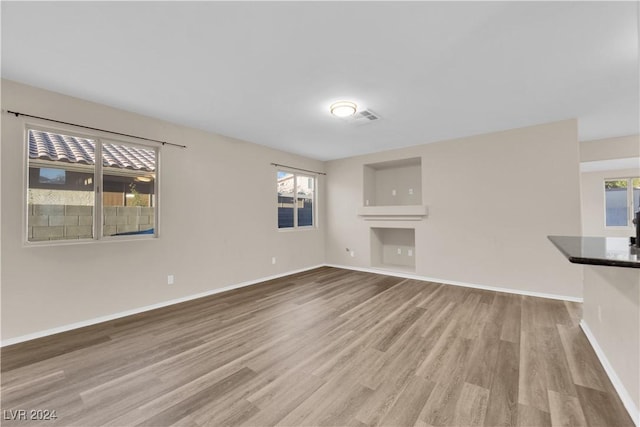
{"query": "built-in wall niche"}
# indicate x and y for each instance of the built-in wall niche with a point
(393, 183)
(393, 249)
(392, 190)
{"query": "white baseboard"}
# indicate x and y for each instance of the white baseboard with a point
(121, 314)
(125, 313)
(627, 401)
(456, 283)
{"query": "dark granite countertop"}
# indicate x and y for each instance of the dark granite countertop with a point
(611, 251)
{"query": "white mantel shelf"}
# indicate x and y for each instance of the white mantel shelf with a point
(393, 213)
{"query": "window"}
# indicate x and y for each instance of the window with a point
(66, 187)
(128, 190)
(622, 199)
(296, 200)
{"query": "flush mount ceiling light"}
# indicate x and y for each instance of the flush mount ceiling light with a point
(343, 108)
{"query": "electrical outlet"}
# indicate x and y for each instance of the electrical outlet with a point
(353, 254)
(399, 251)
(393, 192)
(410, 252)
(411, 191)
(273, 260)
(170, 279)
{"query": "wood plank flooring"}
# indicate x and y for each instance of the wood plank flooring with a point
(327, 347)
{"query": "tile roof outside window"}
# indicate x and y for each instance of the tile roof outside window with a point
(56, 147)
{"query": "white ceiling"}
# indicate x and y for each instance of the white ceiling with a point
(266, 72)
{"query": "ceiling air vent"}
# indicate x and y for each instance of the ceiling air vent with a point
(367, 114)
(363, 117)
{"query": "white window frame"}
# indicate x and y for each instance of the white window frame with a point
(630, 207)
(98, 226)
(296, 174)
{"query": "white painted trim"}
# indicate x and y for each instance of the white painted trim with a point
(393, 213)
(627, 401)
(121, 314)
(456, 283)
(125, 313)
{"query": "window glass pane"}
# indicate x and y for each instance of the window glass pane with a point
(60, 189)
(285, 199)
(616, 203)
(305, 199)
(635, 184)
(128, 190)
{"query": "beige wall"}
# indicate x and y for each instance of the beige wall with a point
(492, 199)
(611, 311)
(230, 182)
(610, 148)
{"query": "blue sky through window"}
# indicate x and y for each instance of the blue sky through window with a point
(53, 176)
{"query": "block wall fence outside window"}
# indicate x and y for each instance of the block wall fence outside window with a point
(622, 200)
(65, 186)
(296, 200)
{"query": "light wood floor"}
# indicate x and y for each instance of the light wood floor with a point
(328, 347)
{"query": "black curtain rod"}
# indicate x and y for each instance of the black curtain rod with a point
(298, 169)
(92, 128)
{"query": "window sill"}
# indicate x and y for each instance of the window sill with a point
(292, 229)
(49, 243)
